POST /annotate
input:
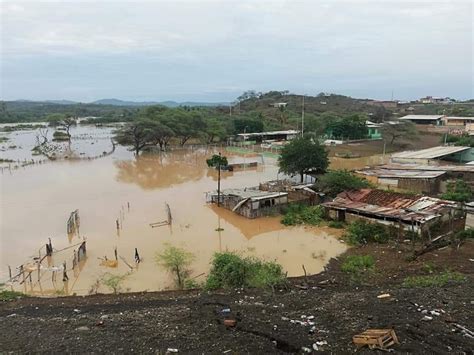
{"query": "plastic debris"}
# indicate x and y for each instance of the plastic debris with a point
(172, 350)
(384, 295)
(427, 318)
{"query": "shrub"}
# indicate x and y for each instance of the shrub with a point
(438, 280)
(61, 136)
(465, 234)
(336, 224)
(459, 191)
(357, 264)
(300, 214)
(113, 282)
(230, 270)
(6, 295)
(177, 262)
(363, 232)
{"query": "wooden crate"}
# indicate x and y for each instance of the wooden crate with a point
(376, 338)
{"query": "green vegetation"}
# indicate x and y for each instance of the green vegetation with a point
(303, 155)
(230, 270)
(349, 127)
(465, 234)
(358, 264)
(459, 191)
(301, 214)
(362, 232)
(176, 261)
(6, 295)
(113, 282)
(464, 140)
(438, 280)
(59, 136)
(337, 181)
(217, 161)
(2, 160)
(336, 224)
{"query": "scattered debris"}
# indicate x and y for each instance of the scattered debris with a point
(230, 323)
(384, 295)
(376, 339)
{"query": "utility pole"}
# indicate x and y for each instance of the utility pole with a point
(302, 118)
(219, 181)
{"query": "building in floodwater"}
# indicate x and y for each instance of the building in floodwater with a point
(426, 216)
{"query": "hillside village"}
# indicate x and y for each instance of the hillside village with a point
(394, 181)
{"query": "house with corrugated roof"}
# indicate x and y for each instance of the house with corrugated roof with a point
(426, 216)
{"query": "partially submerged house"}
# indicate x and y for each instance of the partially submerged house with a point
(418, 181)
(271, 136)
(250, 202)
(266, 199)
(456, 154)
(424, 215)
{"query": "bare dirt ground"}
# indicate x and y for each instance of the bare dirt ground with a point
(424, 140)
(337, 306)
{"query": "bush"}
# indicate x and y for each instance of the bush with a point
(230, 270)
(113, 282)
(300, 214)
(6, 295)
(336, 181)
(61, 136)
(357, 264)
(439, 280)
(465, 234)
(336, 224)
(177, 262)
(362, 232)
(459, 191)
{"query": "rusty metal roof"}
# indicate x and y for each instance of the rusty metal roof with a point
(390, 205)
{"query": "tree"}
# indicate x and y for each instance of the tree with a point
(138, 134)
(395, 130)
(303, 155)
(350, 127)
(337, 181)
(217, 161)
(176, 261)
(214, 130)
(63, 121)
(242, 125)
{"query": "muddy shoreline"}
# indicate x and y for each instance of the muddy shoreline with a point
(192, 321)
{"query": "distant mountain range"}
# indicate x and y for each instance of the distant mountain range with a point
(117, 102)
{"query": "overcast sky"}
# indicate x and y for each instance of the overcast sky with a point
(215, 50)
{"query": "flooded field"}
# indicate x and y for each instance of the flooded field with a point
(37, 201)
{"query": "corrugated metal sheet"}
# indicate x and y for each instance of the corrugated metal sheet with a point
(390, 205)
(400, 173)
(421, 117)
(430, 153)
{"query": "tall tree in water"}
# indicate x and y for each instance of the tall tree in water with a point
(137, 135)
(302, 156)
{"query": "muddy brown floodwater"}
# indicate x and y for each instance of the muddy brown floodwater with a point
(36, 203)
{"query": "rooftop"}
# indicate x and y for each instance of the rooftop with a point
(402, 173)
(252, 194)
(392, 205)
(430, 153)
(290, 131)
(422, 117)
(453, 168)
